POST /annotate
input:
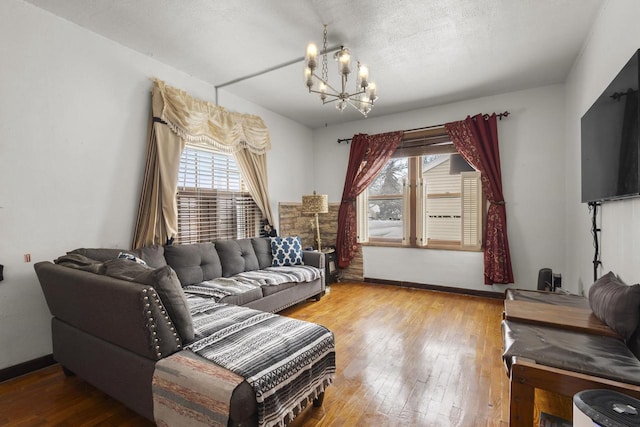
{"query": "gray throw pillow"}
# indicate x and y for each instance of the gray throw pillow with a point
(165, 281)
(100, 254)
(81, 262)
(616, 304)
(152, 255)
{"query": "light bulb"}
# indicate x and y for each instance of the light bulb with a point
(312, 54)
(364, 76)
(322, 87)
(373, 94)
(308, 77)
(344, 61)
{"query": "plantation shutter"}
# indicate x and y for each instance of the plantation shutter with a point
(362, 202)
(212, 201)
(422, 229)
(471, 214)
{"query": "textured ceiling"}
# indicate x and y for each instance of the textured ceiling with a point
(420, 52)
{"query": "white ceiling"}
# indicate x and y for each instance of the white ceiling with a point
(420, 52)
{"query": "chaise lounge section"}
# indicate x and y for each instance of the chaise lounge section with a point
(115, 319)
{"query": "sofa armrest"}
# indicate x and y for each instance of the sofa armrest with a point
(313, 258)
(127, 314)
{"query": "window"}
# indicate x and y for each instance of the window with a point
(427, 195)
(213, 203)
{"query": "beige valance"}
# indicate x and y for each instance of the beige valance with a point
(208, 125)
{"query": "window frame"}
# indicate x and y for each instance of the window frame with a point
(209, 184)
(414, 146)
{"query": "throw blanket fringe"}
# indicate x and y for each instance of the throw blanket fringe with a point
(288, 362)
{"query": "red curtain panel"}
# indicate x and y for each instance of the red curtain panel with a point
(476, 139)
(368, 154)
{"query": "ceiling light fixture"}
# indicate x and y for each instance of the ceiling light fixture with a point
(365, 92)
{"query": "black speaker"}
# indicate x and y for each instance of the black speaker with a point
(557, 281)
(545, 279)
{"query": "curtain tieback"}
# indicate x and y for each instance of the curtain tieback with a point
(500, 203)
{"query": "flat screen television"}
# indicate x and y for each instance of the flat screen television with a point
(610, 140)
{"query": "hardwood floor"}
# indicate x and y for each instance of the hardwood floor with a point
(405, 357)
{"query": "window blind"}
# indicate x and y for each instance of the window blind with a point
(213, 203)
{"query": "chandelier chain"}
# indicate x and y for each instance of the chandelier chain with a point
(325, 67)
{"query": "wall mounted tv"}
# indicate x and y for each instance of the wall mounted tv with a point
(610, 140)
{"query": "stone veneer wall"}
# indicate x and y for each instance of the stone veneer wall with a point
(294, 223)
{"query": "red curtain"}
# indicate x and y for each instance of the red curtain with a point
(369, 153)
(476, 139)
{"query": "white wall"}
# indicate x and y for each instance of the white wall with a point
(74, 109)
(615, 36)
(532, 156)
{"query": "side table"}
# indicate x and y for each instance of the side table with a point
(330, 265)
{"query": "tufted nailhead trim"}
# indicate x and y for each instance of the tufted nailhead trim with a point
(150, 298)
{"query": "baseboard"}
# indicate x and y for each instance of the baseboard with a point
(450, 289)
(26, 367)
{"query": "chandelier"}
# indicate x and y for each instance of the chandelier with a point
(364, 95)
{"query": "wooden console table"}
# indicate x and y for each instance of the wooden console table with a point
(557, 316)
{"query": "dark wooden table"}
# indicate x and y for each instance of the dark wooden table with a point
(557, 316)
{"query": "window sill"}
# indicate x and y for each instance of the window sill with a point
(440, 246)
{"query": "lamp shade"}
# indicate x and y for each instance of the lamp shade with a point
(315, 203)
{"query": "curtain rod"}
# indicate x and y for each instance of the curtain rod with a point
(485, 116)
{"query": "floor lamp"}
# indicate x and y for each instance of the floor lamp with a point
(316, 204)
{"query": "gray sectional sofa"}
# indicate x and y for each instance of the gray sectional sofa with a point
(114, 319)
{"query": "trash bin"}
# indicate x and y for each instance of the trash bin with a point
(605, 408)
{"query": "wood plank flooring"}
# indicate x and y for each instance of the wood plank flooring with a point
(405, 357)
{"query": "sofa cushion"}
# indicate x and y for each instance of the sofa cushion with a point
(194, 263)
(616, 304)
(262, 248)
(224, 290)
(165, 281)
(597, 355)
(269, 290)
(236, 256)
(286, 251)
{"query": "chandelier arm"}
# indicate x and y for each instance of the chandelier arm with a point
(326, 83)
(334, 98)
(332, 95)
(352, 97)
(361, 112)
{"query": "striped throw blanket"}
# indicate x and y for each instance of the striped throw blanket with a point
(288, 362)
(188, 390)
(222, 287)
(272, 276)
